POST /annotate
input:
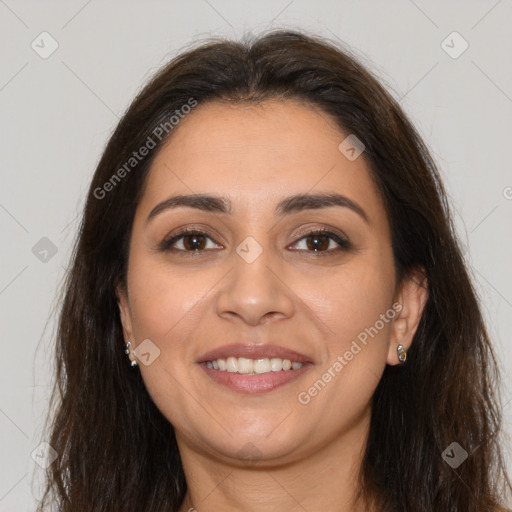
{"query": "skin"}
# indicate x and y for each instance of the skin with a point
(306, 456)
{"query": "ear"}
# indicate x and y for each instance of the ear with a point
(410, 299)
(124, 312)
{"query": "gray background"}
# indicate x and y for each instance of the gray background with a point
(58, 112)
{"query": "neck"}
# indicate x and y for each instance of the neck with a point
(325, 480)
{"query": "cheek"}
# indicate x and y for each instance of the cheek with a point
(167, 308)
(356, 306)
(350, 300)
(161, 299)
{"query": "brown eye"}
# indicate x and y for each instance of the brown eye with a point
(188, 241)
(317, 242)
(323, 241)
(194, 242)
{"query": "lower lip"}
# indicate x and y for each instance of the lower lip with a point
(258, 383)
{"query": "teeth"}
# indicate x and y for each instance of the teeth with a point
(246, 365)
(276, 364)
(231, 364)
(253, 366)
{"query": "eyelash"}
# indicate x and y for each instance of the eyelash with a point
(344, 244)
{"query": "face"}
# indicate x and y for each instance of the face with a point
(264, 264)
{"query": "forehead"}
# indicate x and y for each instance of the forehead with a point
(285, 129)
(250, 152)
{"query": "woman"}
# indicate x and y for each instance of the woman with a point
(267, 307)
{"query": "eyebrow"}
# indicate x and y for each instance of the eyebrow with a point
(292, 204)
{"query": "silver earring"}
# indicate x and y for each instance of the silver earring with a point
(127, 352)
(402, 354)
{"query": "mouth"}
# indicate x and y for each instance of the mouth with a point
(245, 366)
(249, 368)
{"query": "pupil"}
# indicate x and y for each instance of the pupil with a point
(195, 242)
(315, 242)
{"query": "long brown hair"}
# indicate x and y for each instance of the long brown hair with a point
(116, 451)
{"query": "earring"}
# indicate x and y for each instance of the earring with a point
(402, 354)
(127, 352)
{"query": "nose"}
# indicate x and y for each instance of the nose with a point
(255, 290)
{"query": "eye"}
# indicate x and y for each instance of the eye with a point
(188, 241)
(195, 241)
(322, 240)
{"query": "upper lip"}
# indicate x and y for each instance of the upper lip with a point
(253, 351)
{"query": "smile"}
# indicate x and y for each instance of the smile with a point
(252, 382)
(243, 365)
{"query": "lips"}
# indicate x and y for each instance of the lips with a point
(255, 384)
(252, 351)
